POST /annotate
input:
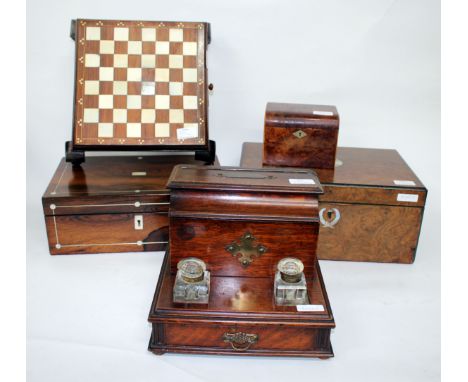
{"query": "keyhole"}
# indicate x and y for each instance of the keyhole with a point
(138, 222)
(330, 214)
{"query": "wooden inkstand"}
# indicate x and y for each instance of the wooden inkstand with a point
(241, 223)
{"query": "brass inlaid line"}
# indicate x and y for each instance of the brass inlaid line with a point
(55, 227)
(110, 244)
(112, 205)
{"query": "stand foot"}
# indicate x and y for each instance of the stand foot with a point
(76, 157)
(207, 156)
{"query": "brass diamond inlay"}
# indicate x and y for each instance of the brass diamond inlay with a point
(299, 134)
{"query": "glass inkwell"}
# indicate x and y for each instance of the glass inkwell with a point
(192, 284)
(290, 283)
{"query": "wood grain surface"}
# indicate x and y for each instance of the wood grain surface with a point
(92, 208)
(373, 224)
(207, 240)
(240, 305)
(298, 135)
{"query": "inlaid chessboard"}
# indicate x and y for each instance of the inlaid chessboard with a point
(140, 83)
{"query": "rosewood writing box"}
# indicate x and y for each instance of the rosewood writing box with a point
(372, 206)
(240, 318)
(241, 222)
(297, 135)
(110, 204)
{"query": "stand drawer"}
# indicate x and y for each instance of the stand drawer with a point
(242, 339)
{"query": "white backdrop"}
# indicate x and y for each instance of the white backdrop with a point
(378, 61)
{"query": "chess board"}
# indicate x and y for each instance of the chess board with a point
(140, 84)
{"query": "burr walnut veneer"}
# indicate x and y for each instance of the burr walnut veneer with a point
(372, 206)
(110, 204)
(298, 135)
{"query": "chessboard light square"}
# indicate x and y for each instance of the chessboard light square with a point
(190, 102)
(119, 115)
(92, 60)
(148, 34)
(106, 74)
(120, 61)
(134, 74)
(162, 102)
(120, 88)
(176, 61)
(162, 47)
(106, 47)
(189, 49)
(190, 75)
(134, 47)
(162, 130)
(91, 116)
(176, 116)
(162, 75)
(176, 35)
(91, 87)
(148, 88)
(176, 88)
(133, 102)
(133, 130)
(105, 130)
(93, 33)
(121, 34)
(148, 116)
(148, 61)
(106, 101)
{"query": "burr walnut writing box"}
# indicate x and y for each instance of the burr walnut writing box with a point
(372, 206)
(242, 222)
(110, 204)
(241, 318)
(140, 84)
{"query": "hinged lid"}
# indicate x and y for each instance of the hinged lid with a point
(293, 115)
(361, 175)
(241, 179)
(111, 184)
(140, 84)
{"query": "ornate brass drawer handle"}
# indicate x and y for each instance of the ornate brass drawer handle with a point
(240, 341)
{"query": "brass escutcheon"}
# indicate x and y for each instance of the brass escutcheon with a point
(299, 134)
(246, 250)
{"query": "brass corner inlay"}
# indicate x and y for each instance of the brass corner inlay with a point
(246, 251)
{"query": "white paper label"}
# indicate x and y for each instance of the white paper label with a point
(188, 132)
(310, 308)
(404, 183)
(407, 198)
(139, 173)
(301, 181)
(321, 112)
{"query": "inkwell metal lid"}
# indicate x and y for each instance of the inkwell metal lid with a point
(191, 269)
(291, 269)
